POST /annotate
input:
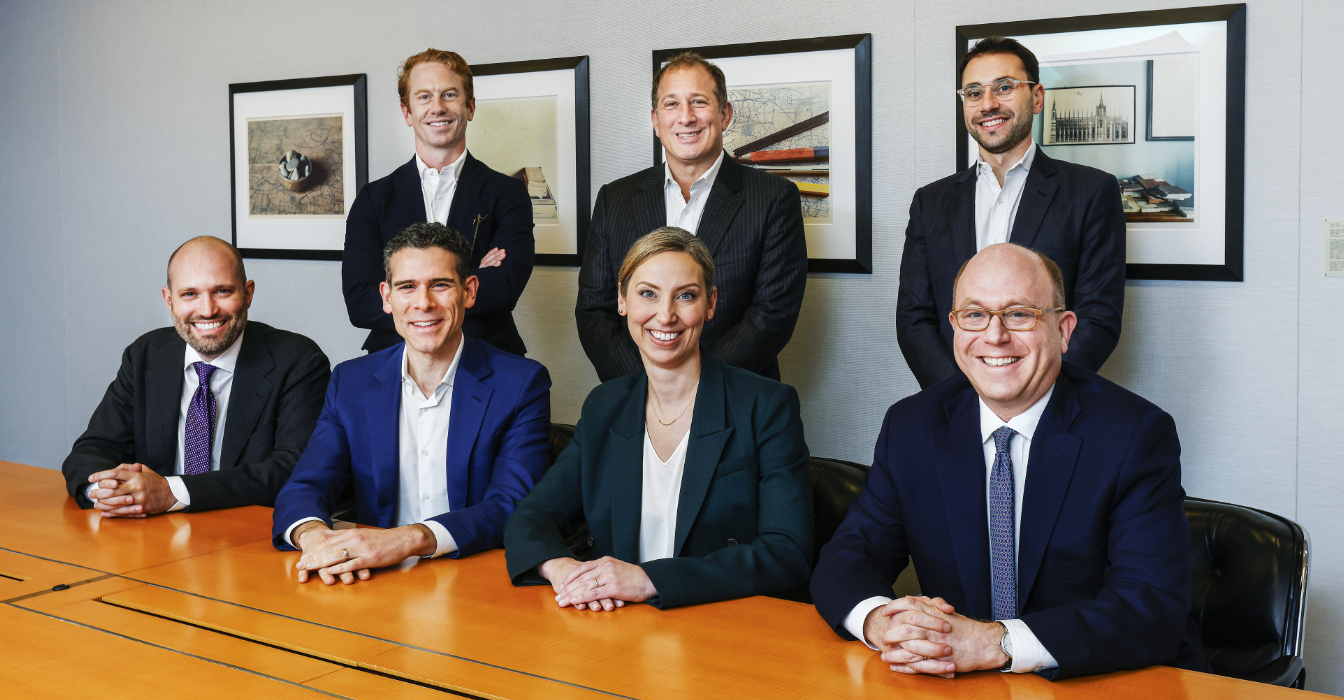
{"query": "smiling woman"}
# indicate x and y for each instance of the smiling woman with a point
(720, 506)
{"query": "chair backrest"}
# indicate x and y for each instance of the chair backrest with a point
(1249, 576)
(835, 483)
(561, 435)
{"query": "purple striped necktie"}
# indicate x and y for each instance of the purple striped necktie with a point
(1002, 530)
(200, 432)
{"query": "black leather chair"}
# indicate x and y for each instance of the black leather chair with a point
(577, 540)
(1249, 574)
(835, 483)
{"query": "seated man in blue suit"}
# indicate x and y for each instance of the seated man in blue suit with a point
(1079, 566)
(442, 182)
(439, 436)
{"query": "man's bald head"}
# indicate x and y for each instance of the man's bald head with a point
(207, 245)
(1017, 257)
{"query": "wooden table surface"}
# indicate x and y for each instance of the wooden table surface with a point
(460, 625)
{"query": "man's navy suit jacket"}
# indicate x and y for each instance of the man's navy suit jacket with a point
(489, 209)
(498, 445)
(1070, 213)
(1103, 565)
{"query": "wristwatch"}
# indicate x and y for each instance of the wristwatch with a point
(1006, 644)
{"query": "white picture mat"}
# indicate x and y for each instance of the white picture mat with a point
(1202, 242)
(562, 237)
(834, 240)
(291, 233)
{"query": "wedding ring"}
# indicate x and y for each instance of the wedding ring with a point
(345, 553)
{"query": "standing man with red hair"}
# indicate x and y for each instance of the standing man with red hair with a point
(441, 183)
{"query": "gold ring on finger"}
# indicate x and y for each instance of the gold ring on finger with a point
(345, 553)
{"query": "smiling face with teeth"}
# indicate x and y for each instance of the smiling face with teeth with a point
(207, 296)
(428, 301)
(690, 121)
(666, 306)
(1010, 370)
(1001, 127)
(438, 113)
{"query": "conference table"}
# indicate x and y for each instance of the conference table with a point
(201, 605)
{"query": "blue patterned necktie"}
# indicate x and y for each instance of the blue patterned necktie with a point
(1002, 553)
(199, 437)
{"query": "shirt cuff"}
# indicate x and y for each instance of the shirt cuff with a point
(88, 492)
(444, 539)
(854, 621)
(179, 490)
(1029, 655)
(290, 530)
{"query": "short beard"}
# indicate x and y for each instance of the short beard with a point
(212, 347)
(1019, 129)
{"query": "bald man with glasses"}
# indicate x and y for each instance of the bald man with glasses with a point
(1013, 193)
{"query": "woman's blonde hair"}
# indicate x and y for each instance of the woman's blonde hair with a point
(668, 239)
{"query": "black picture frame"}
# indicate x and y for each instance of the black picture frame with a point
(861, 44)
(359, 150)
(1148, 121)
(1234, 16)
(582, 142)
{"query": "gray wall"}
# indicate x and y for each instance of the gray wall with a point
(101, 100)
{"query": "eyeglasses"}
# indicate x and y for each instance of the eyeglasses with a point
(1016, 318)
(1003, 89)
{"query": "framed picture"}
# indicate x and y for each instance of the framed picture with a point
(1181, 168)
(812, 98)
(299, 154)
(531, 122)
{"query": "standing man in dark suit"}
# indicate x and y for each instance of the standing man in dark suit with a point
(1040, 503)
(211, 413)
(440, 436)
(442, 183)
(1014, 192)
(751, 221)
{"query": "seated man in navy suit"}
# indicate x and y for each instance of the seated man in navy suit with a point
(440, 436)
(442, 182)
(1079, 566)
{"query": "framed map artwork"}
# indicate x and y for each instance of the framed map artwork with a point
(802, 109)
(1157, 99)
(299, 155)
(531, 122)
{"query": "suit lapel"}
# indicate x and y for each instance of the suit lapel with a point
(725, 198)
(470, 399)
(1050, 468)
(961, 476)
(709, 435)
(247, 398)
(382, 409)
(410, 197)
(650, 209)
(462, 214)
(626, 475)
(963, 215)
(1037, 193)
(164, 379)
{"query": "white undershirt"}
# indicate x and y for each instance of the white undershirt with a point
(682, 212)
(221, 385)
(996, 206)
(1028, 653)
(438, 187)
(422, 455)
(658, 500)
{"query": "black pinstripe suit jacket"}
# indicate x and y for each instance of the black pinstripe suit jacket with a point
(752, 224)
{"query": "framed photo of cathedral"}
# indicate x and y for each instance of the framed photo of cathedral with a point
(1156, 99)
(1087, 115)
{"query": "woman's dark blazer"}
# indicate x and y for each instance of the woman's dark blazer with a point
(744, 518)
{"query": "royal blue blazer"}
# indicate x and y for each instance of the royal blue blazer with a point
(498, 445)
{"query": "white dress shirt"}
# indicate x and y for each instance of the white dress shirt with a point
(995, 205)
(422, 455)
(682, 212)
(1028, 652)
(658, 502)
(439, 186)
(221, 385)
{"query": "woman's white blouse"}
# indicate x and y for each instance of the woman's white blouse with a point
(658, 508)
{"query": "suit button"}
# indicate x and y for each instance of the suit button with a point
(731, 541)
(591, 541)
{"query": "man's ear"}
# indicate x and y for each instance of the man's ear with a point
(1067, 322)
(385, 291)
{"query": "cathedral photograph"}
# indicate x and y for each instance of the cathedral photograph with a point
(1079, 116)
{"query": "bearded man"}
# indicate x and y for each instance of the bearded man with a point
(212, 413)
(1014, 193)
